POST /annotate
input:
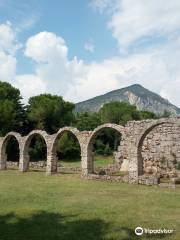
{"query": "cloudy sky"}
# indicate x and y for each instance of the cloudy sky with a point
(84, 48)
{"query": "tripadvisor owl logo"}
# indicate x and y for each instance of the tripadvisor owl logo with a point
(139, 231)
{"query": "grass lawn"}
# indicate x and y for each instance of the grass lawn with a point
(99, 161)
(70, 163)
(65, 207)
(103, 161)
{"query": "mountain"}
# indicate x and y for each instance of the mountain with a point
(135, 95)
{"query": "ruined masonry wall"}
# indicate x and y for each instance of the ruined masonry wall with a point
(161, 149)
(146, 146)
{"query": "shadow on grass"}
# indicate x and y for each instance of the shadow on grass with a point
(36, 170)
(50, 226)
(53, 226)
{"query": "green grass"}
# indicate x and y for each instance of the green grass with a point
(103, 161)
(99, 161)
(65, 207)
(70, 163)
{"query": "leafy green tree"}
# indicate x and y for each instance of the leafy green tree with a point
(118, 112)
(107, 150)
(68, 147)
(87, 121)
(122, 112)
(12, 112)
(147, 115)
(37, 149)
(106, 141)
(49, 112)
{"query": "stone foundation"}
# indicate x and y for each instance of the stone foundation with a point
(41, 165)
(107, 178)
(148, 180)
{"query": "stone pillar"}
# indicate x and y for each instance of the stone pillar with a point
(86, 153)
(3, 161)
(2, 155)
(87, 163)
(23, 162)
(133, 164)
(133, 171)
(23, 156)
(51, 167)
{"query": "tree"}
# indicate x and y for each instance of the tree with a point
(166, 114)
(12, 111)
(122, 112)
(87, 121)
(37, 149)
(118, 112)
(107, 139)
(147, 115)
(49, 112)
(68, 147)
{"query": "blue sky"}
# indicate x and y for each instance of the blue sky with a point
(80, 49)
(75, 21)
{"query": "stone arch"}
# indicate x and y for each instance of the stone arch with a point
(26, 143)
(52, 158)
(93, 135)
(147, 130)
(5, 140)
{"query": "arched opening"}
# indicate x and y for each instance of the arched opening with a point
(35, 153)
(102, 151)
(10, 152)
(159, 151)
(67, 152)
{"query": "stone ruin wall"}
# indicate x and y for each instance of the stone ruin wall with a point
(161, 150)
(146, 147)
(150, 147)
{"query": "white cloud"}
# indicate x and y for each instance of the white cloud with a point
(46, 47)
(71, 78)
(171, 91)
(8, 41)
(53, 67)
(6, 37)
(132, 21)
(96, 79)
(89, 46)
(7, 67)
(29, 85)
(101, 5)
(8, 47)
